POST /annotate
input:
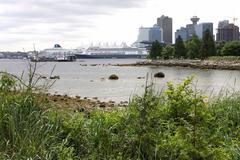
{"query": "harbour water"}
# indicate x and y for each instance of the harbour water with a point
(89, 77)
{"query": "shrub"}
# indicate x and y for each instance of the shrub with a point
(175, 124)
(231, 48)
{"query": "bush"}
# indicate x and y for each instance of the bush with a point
(231, 49)
(177, 124)
(155, 50)
(168, 52)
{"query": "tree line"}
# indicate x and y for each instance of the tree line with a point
(194, 48)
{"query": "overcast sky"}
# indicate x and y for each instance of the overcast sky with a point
(73, 23)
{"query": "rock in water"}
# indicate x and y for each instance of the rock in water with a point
(113, 77)
(55, 77)
(159, 75)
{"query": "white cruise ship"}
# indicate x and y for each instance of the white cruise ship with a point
(57, 53)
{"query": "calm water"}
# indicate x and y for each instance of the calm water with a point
(92, 81)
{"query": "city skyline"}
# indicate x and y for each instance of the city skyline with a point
(74, 22)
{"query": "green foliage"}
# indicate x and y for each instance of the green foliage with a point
(26, 131)
(155, 50)
(225, 58)
(177, 124)
(219, 47)
(208, 45)
(193, 47)
(231, 49)
(180, 50)
(168, 52)
(6, 82)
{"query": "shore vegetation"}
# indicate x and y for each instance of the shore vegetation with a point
(177, 123)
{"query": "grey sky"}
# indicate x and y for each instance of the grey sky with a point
(73, 22)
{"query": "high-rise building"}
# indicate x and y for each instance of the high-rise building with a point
(202, 27)
(165, 23)
(187, 32)
(182, 32)
(150, 34)
(191, 27)
(194, 29)
(227, 31)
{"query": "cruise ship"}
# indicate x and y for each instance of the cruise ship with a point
(112, 52)
(57, 53)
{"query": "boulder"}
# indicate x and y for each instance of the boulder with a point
(159, 75)
(55, 77)
(140, 77)
(113, 77)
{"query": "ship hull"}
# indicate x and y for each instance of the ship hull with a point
(110, 56)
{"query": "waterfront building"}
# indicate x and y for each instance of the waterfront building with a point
(227, 31)
(182, 32)
(202, 27)
(165, 23)
(147, 35)
(150, 34)
(187, 32)
(191, 27)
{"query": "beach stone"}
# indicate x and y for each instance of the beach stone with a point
(80, 109)
(102, 105)
(159, 75)
(140, 77)
(112, 102)
(113, 77)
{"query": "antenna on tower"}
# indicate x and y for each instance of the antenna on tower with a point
(234, 20)
(34, 48)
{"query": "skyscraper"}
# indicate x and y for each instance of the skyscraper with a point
(227, 31)
(187, 32)
(202, 27)
(182, 32)
(150, 34)
(165, 23)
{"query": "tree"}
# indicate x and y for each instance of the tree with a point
(231, 48)
(193, 47)
(155, 50)
(168, 52)
(219, 47)
(208, 45)
(180, 50)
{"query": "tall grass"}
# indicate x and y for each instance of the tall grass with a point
(225, 58)
(176, 124)
(26, 130)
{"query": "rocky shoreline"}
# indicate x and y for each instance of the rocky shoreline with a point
(82, 104)
(201, 64)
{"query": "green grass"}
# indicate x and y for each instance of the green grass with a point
(176, 124)
(225, 58)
